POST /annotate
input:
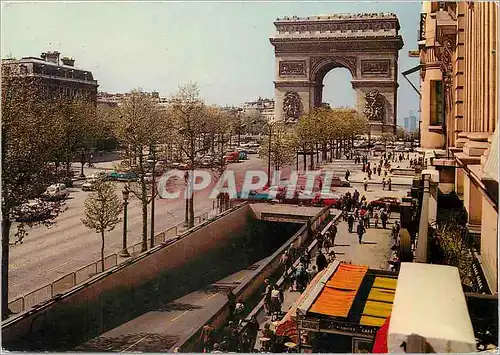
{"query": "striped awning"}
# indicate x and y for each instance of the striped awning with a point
(379, 303)
(338, 295)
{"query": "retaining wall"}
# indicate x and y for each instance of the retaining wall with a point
(95, 306)
(247, 290)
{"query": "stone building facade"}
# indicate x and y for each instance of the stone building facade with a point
(459, 114)
(58, 75)
(306, 49)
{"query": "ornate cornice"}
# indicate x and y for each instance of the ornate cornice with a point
(290, 83)
(339, 25)
(315, 45)
(374, 83)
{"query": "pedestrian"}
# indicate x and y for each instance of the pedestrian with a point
(275, 302)
(238, 312)
(206, 338)
(350, 222)
(312, 272)
(231, 302)
(284, 261)
(383, 217)
(267, 296)
(389, 184)
(333, 234)
(347, 174)
(360, 230)
(252, 328)
(321, 262)
(365, 184)
(385, 172)
(379, 169)
(369, 173)
(300, 278)
(375, 217)
(383, 183)
(320, 240)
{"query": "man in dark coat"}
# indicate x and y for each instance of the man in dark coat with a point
(350, 222)
(360, 230)
(321, 261)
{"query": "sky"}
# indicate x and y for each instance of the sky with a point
(222, 46)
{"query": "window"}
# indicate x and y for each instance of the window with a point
(437, 103)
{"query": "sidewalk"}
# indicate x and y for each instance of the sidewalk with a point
(374, 252)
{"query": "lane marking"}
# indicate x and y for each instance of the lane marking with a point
(180, 315)
(212, 296)
(137, 342)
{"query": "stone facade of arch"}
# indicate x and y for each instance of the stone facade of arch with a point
(306, 49)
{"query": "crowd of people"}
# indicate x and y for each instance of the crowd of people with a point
(357, 209)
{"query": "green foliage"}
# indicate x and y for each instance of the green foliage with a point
(452, 240)
(283, 144)
(102, 208)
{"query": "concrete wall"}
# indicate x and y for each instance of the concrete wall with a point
(489, 244)
(472, 201)
(248, 289)
(124, 278)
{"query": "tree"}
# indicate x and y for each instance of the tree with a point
(27, 145)
(192, 120)
(102, 211)
(139, 124)
(282, 146)
(76, 128)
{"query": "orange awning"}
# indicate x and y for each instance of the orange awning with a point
(338, 295)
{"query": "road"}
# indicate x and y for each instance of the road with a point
(48, 253)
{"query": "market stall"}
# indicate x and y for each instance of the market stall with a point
(430, 312)
(344, 308)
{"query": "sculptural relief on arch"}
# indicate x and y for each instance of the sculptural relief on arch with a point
(306, 49)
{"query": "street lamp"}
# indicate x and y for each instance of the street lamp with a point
(124, 253)
(269, 153)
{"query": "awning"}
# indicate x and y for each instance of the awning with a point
(430, 311)
(338, 295)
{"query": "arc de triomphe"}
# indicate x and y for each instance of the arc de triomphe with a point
(306, 49)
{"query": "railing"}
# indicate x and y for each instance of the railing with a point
(84, 273)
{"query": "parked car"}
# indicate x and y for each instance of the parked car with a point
(55, 192)
(88, 185)
(122, 176)
(393, 202)
(33, 212)
(330, 199)
(338, 182)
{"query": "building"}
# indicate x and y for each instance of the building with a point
(105, 98)
(412, 122)
(58, 75)
(262, 106)
(459, 119)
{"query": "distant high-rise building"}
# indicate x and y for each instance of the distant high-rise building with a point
(412, 124)
(406, 124)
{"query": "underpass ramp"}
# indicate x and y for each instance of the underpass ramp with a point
(284, 212)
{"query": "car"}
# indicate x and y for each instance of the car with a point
(328, 199)
(88, 185)
(393, 202)
(33, 212)
(254, 195)
(183, 166)
(55, 192)
(123, 176)
(338, 182)
(148, 178)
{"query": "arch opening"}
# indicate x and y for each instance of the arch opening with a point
(334, 87)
